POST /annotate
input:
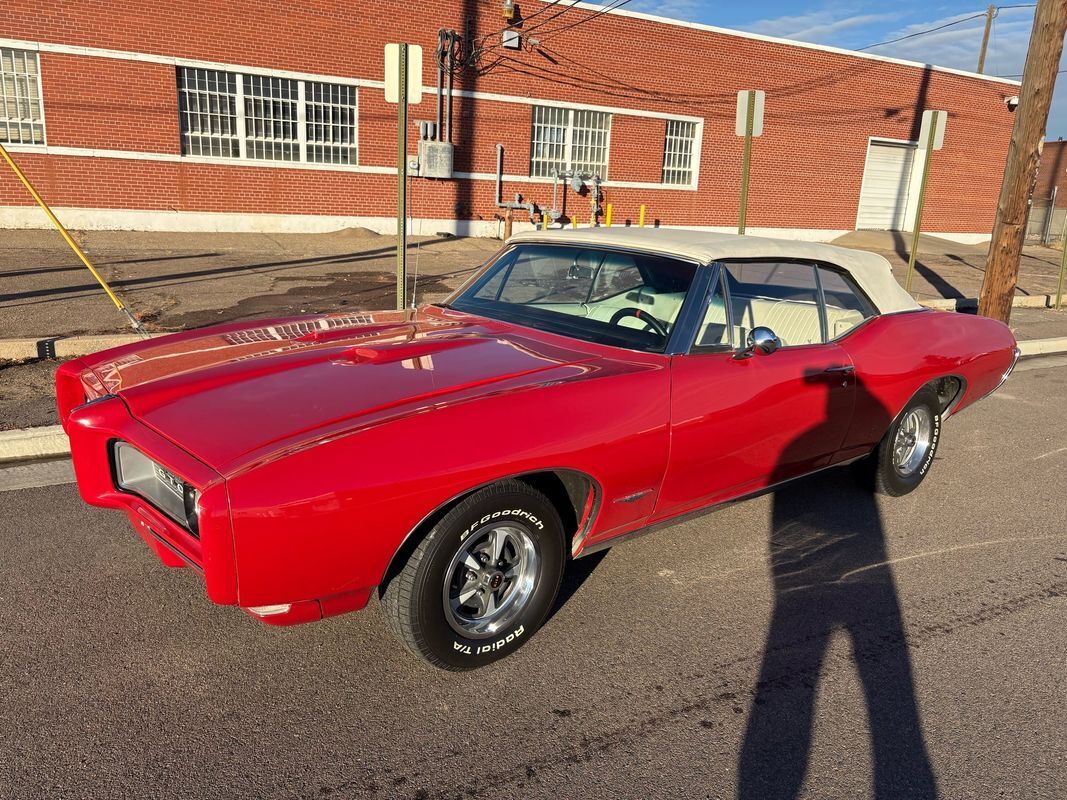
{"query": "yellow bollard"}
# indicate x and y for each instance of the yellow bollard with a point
(641, 218)
(607, 214)
(70, 241)
(544, 222)
(574, 223)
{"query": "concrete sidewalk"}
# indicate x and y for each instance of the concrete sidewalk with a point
(177, 281)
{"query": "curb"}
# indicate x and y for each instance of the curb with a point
(63, 347)
(27, 444)
(970, 303)
(1043, 347)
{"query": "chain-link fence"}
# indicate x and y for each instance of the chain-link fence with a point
(1048, 215)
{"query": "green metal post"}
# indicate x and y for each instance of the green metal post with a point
(1063, 267)
(746, 161)
(402, 181)
(922, 199)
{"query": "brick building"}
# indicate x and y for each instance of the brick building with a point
(1052, 172)
(222, 116)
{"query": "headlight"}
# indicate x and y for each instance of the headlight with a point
(137, 473)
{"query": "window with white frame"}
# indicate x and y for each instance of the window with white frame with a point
(207, 109)
(565, 138)
(261, 117)
(331, 123)
(21, 109)
(271, 118)
(678, 152)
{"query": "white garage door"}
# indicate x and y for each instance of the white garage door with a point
(884, 194)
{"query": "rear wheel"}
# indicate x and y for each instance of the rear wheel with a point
(907, 450)
(481, 581)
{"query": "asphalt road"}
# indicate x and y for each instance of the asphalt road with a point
(811, 643)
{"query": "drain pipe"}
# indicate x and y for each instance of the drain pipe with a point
(531, 209)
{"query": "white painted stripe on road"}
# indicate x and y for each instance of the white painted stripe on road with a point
(36, 473)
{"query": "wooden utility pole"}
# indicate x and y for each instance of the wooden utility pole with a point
(989, 14)
(1035, 95)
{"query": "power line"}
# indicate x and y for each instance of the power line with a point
(479, 51)
(535, 15)
(618, 4)
(924, 32)
(1020, 74)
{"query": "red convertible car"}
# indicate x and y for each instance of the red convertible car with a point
(584, 386)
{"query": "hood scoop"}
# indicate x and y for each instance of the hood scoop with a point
(358, 331)
(407, 351)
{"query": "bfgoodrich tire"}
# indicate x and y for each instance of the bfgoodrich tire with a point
(481, 581)
(906, 452)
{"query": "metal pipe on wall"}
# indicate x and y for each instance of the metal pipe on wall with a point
(451, 70)
(440, 79)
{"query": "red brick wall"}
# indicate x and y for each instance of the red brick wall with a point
(1052, 171)
(807, 167)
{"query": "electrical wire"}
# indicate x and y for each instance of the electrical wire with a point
(1020, 74)
(922, 33)
(556, 31)
(477, 52)
(548, 7)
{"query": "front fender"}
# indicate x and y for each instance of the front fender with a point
(327, 519)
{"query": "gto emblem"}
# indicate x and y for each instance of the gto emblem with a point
(496, 580)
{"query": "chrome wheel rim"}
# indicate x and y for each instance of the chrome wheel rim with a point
(490, 579)
(912, 442)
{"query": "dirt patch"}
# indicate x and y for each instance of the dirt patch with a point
(27, 395)
(376, 290)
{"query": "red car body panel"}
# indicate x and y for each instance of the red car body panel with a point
(321, 443)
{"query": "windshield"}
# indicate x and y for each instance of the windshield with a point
(621, 298)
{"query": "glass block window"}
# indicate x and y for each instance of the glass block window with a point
(271, 118)
(563, 138)
(331, 123)
(678, 152)
(231, 115)
(207, 110)
(21, 110)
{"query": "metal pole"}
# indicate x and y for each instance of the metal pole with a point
(1047, 231)
(746, 161)
(922, 199)
(70, 241)
(402, 179)
(1063, 267)
(989, 14)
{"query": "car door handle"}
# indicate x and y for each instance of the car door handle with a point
(846, 369)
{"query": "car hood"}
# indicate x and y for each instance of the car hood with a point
(234, 395)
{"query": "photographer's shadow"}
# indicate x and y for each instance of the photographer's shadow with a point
(829, 564)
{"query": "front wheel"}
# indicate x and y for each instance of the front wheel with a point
(481, 581)
(907, 450)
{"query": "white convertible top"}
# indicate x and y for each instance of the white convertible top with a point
(870, 271)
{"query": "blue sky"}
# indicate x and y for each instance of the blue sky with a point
(863, 22)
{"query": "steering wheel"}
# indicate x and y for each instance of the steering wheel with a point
(649, 320)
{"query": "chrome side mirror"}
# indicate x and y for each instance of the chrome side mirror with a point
(761, 341)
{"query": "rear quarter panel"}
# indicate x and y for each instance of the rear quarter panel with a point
(897, 354)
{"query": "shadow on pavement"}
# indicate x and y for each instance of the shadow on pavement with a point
(831, 573)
